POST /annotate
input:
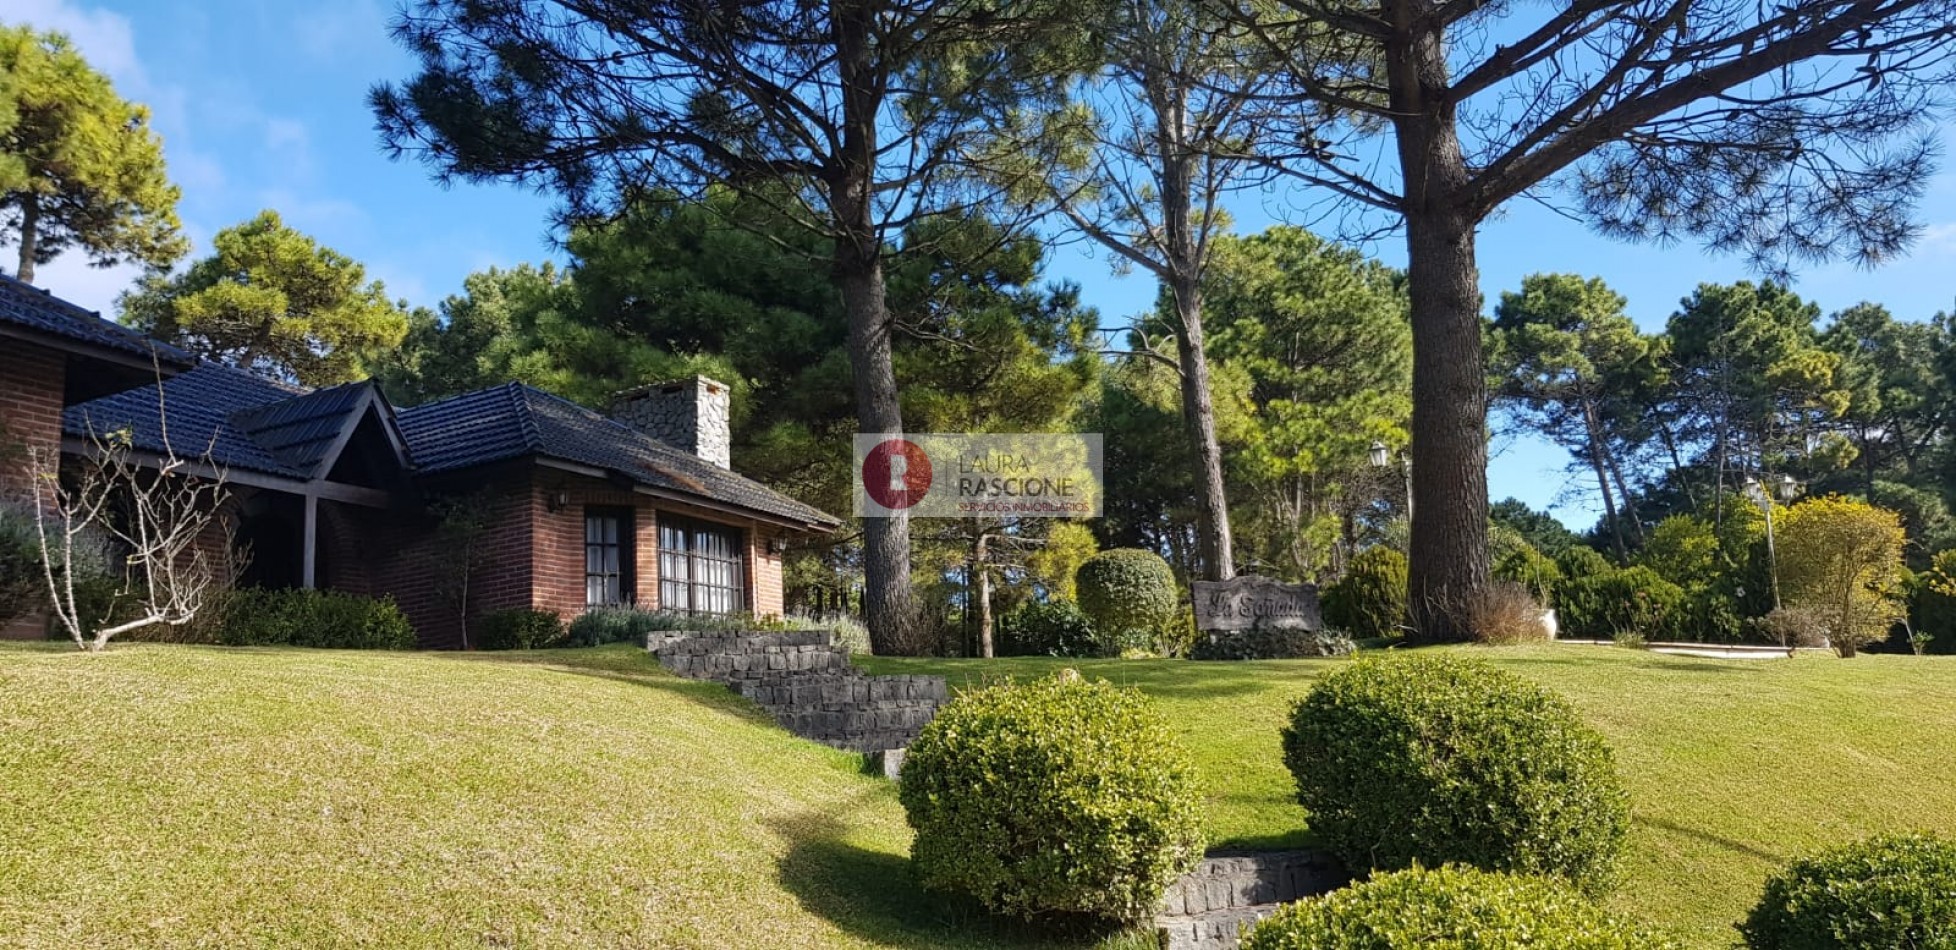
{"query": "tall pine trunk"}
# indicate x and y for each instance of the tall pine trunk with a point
(888, 610)
(30, 238)
(1184, 279)
(1592, 431)
(1448, 560)
(1199, 423)
(982, 584)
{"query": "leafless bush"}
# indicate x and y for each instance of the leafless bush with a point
(1504, 613)
(152, 515)
(1793, 627)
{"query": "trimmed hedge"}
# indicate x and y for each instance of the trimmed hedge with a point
(1059, 796)
(1268, 643)
(1623, 600)
(1052, 628)
(1442, 759)
(518, 629)
(312, 618)
(1882, 893)
(1129, 595)
(1370, 600)
(1451, 907)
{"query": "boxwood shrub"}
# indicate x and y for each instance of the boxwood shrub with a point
(1455, 907)
(1059, 796)
(1885, 892)
(1272, 643)
(1627, 600)
(1370, 600)
(518, 629)
(313, 618)
(1442, 759)
(1130, 597)
(1051, 628)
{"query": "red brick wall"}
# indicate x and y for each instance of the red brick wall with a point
(31, 380)
(401, 554)
(764, 572)
(534, 557)
(559, 544)
(559, 539)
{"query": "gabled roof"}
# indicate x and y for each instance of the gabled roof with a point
(200, 405)
(515, 421)
(306, 432)
(31, 311)
(246, 422)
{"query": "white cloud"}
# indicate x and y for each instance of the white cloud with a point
(1938, 239)
(72, 279)
(312, 212)
(347, 31)
(104, 37)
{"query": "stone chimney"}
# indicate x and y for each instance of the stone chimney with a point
(688, 414)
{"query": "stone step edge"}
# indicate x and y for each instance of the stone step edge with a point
(1215, 930)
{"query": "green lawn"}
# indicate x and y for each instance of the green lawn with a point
(1735, 766)
(200, 796)
(170, 796)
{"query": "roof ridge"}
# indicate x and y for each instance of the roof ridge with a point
(477, 393)
(662, 445)
(526, 421)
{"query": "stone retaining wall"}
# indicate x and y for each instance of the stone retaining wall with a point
(808, 685)
(1208, 907)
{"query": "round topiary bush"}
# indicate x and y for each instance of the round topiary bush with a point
(1370, 600)
(1450, 907)
(1129, 595)
(1059, 796)
(1441, 759)
(1884, 892)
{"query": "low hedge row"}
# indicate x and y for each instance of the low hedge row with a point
(308, 618)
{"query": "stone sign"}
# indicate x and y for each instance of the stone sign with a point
(1249, 602)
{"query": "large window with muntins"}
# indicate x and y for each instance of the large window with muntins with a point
(607, 556)
(701, 567)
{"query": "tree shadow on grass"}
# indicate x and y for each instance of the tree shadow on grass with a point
(874, 895)
(1166, 679)
(1729, 844)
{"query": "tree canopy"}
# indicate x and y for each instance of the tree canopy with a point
(80, 167)
(272, 300)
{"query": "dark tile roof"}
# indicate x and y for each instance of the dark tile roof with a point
(198, 407)
(300, 431)
(31, 308)
(247, 422)
(514, 421)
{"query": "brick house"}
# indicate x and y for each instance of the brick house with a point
(337, 488)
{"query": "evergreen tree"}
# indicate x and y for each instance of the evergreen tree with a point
(79, 165)
(272, 300)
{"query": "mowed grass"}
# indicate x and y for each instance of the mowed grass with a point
(171, 796)
(1734, 766)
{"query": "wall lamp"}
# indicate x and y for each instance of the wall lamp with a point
(558, 501)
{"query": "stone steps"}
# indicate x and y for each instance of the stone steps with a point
(808, 685)
(1208, 908)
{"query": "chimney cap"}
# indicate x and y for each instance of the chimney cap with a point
(671, 385)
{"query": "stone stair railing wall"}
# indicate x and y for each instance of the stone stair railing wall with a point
(808, 685)
(1208, 908)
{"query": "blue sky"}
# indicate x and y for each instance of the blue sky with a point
(263, 106)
